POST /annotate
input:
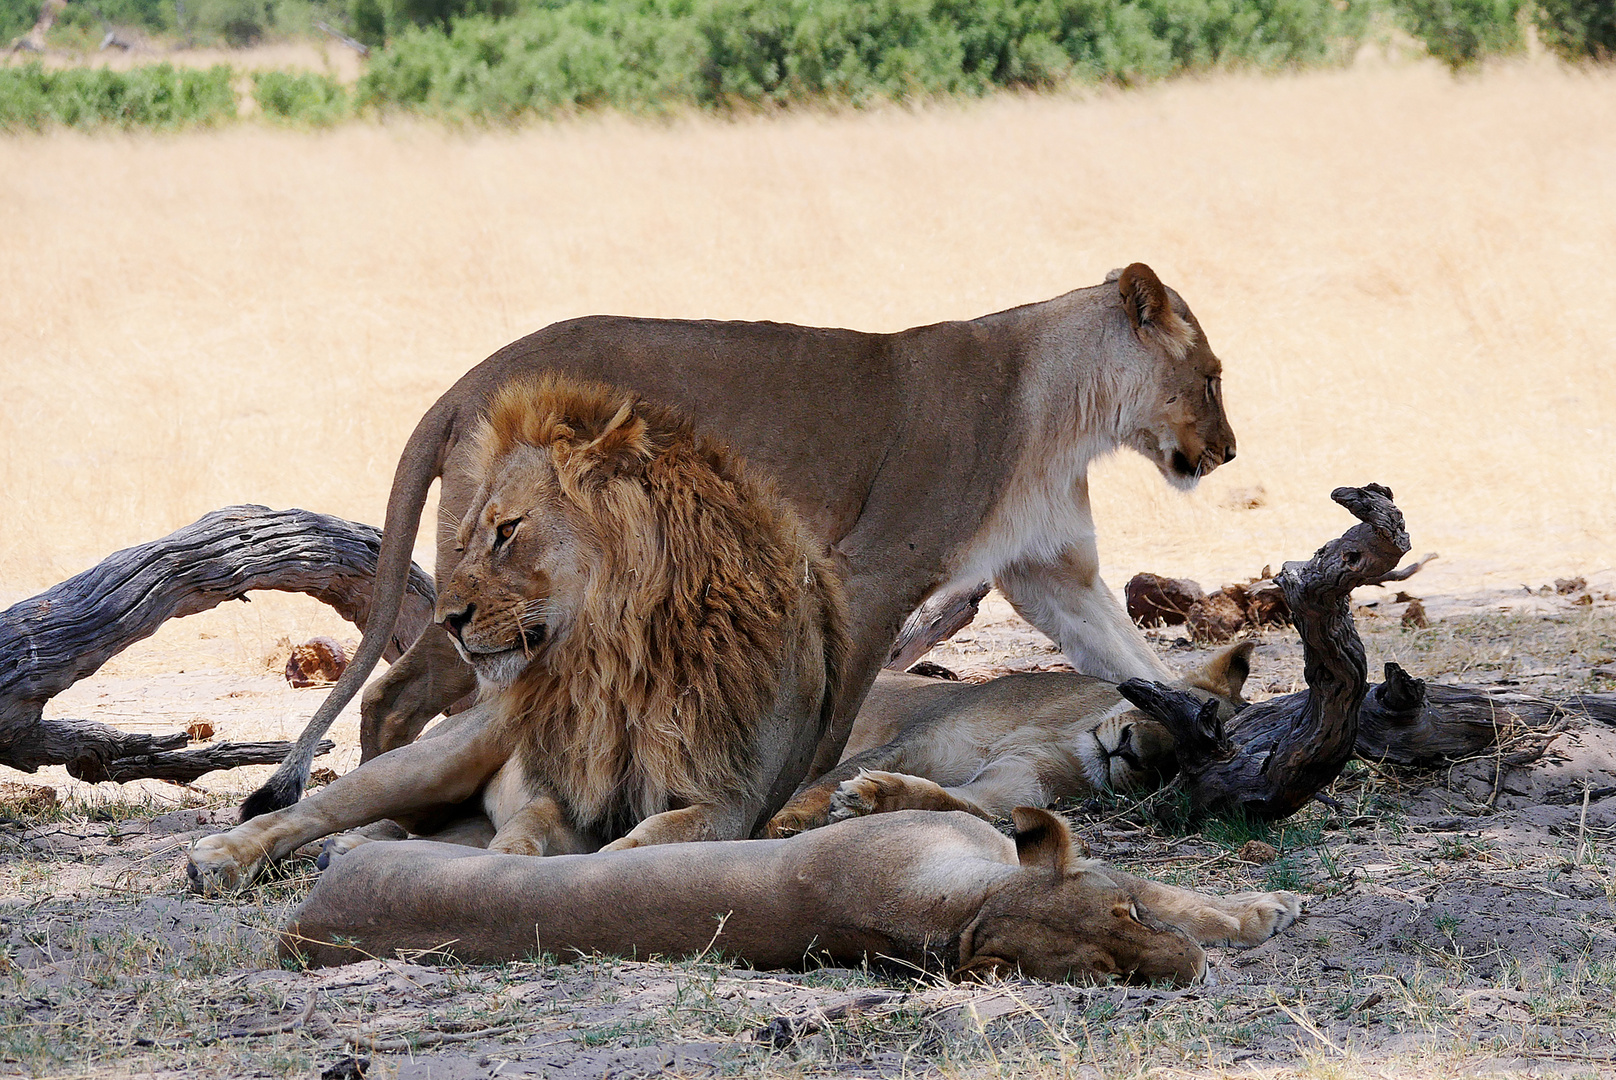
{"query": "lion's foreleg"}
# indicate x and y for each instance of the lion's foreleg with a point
(540, 828)
(1242, 919)
(419, 685)
(441, 771)
(708, 821)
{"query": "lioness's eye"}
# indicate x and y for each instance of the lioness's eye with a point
(505, 531)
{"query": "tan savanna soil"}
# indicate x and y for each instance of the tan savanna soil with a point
(1409, 277)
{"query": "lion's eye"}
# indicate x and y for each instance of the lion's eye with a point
(505, 531)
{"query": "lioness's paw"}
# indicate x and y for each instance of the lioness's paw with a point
(807, 811)
(624, 844)
(216, 868)
(870, 792)
(1262, 915)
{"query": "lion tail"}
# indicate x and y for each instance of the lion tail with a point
(419, 465)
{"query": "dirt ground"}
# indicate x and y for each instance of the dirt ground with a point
(1457, 922)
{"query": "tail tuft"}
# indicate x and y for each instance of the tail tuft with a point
(277, 793)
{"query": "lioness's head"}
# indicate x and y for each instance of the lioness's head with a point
(1063, 918)
(1183, 428)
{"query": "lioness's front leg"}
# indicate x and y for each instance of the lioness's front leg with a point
(446, 768)
(1241, 919)
(876, 792)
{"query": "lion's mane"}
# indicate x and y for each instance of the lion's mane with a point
(676, 656)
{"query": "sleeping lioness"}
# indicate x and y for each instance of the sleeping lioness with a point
(984, 748)
(936, 891)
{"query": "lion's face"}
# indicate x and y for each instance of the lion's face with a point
(1184, 429)
(526, 558)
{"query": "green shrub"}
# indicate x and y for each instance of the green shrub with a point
(153, 96)
(660, 53)
(1461, 32)
(1579, 29)
(304, 98)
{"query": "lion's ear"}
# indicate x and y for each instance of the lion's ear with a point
(981, 968)
(1145, 299)
(1042, 839)
(1226, 673)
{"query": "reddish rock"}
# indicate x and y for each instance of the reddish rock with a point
(1266, 606)
(317, 662)
(1154, 600)
(1216, 618)
(200, 731)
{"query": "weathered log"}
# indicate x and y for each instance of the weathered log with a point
(938, 619)
(186, 765)
(1406, 721)
(1274, 756)
(51, 641)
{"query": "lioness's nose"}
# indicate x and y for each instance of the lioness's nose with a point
(455, 621)
(1228, 453)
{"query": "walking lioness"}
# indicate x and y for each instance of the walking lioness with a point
(936, 891)
(938, 457)
(657, 639)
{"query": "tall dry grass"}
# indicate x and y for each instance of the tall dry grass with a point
(1410, 279)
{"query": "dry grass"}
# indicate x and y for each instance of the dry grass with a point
(1409, 278)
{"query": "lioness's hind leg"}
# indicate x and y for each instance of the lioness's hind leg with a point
(876, 792)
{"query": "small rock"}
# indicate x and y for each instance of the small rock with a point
(1414, 615)
(321, 777)
(200, 731)
(1255, 851)
(1567, 586)
(1216, 618)
(1154, 600)
(317, 662)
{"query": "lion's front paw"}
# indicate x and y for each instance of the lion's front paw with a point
(217, 868)
(1262, 915)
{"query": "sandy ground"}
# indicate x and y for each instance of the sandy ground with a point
(1457, 922)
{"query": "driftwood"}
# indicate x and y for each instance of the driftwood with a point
(55, 639)
(1275, 755)
(938, 619)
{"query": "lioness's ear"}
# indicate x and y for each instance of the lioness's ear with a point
(1144, 298)
(622, 445)
(981, 968)
(1226, 673)
(1042, 839)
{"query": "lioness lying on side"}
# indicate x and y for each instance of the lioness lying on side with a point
(657, 639)
(984, 748)
(937, 891)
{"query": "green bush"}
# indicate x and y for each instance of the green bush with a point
(154, 96)
(1579, 29)
(1461, 32)
(303, 98)
(660, 53)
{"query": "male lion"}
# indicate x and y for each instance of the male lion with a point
(938, 891)
(657, 638)
(984, 748)
(937, 457)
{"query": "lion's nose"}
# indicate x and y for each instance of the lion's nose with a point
(456, 621)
